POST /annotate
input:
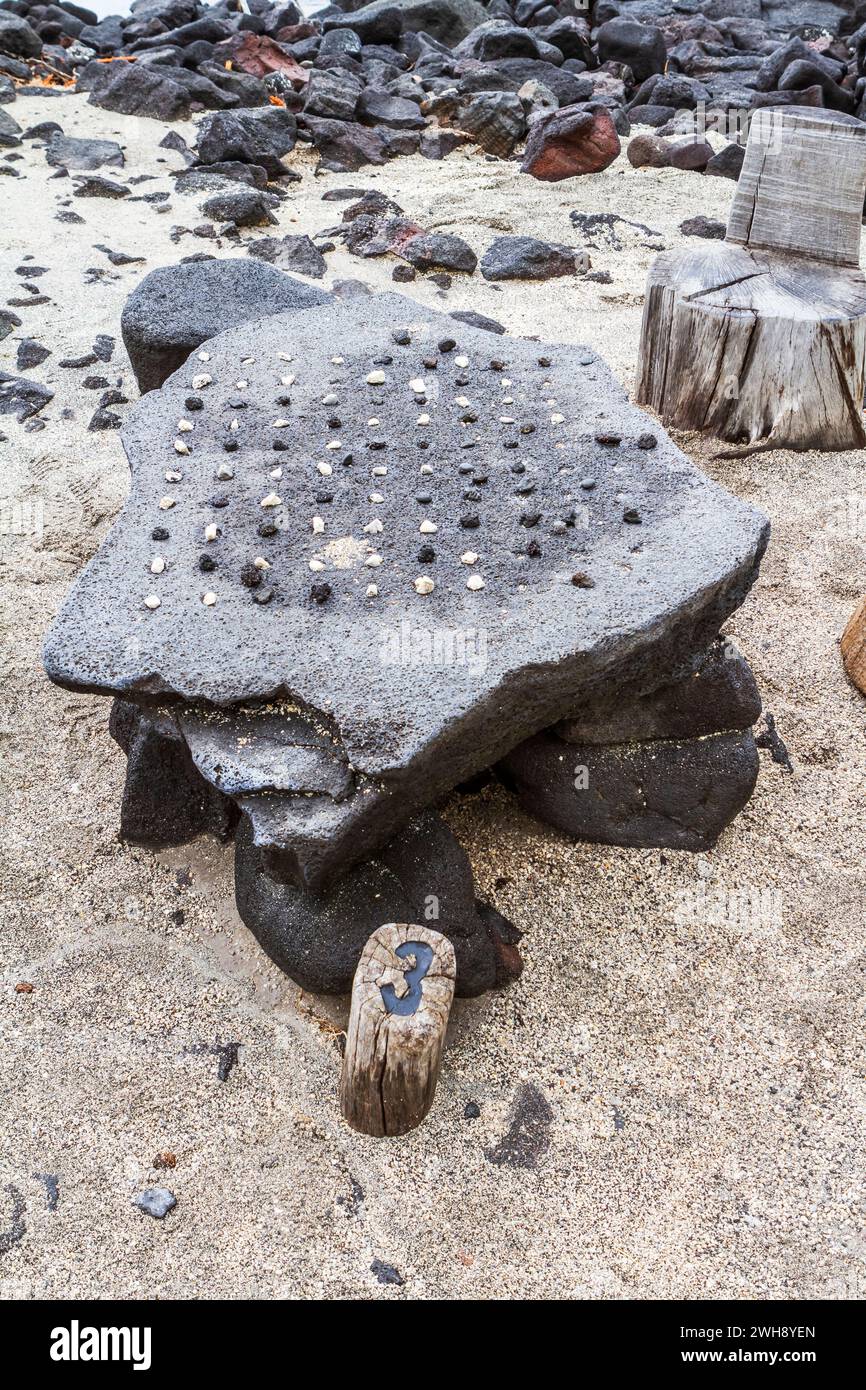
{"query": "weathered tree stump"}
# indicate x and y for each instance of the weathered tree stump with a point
(401, 999)
(853, 646)
(761, 339)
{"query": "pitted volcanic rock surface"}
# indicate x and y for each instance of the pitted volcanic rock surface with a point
(436, 541)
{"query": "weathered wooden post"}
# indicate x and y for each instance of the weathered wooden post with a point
(761, 338)
(853, 646)
(401, 999)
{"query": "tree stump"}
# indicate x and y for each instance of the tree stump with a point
(401, 999)
(761, 339)
(853, 646)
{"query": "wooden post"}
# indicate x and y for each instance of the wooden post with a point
(401, 999)
(853, 646)
(761, 339)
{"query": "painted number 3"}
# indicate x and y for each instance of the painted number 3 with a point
(423, 960)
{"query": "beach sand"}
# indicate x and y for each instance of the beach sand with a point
(671, 1097)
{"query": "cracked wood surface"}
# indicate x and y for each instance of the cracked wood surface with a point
(761, 339)
(392, 1060)
(853, 646)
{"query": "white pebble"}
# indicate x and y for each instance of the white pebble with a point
(272, 500)
(376, 379)
(280, 424)
(325, 469)
(373, 560)
(181, 447)
(468, 557)
(557, 419)
(425, 469)
(331, 399)
(380, 472)
(152, 601)
(157, 565)
(334, 444)
(317, 565)
(318, 525)
(172, 476)
(419, 386)
(338, 361)
(424, 585)
(373, 528)
(246, 361)
(275, 473)
(423, 420)
(224, 472)
(242, 385)
(428, 528)
(235, 425)
(506, 419)
(166, 503)
(508, 400)
(200, 381)
(475, 582)
(462, 361)
(506, 381)
(372, 591)
(211, 532)
(261, 563)
(184, 426)
(208, 599)
(285, 357)
(462, 400)
(287, 380)
(374, 421)
(204, 357)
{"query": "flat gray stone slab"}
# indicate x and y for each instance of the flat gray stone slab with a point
(603, 561)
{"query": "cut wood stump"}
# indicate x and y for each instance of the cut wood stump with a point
(853, 646)
(761, 339)
(401, 999)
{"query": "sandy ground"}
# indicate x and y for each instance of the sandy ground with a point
(671, 1098)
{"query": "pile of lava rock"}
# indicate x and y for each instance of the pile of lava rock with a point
(559, 79)
(371, 553)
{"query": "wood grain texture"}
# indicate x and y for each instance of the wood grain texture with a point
(392, 1058)
(853, 646)
(761, 339)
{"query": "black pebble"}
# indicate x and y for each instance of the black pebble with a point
(471, 1111)
(447, 345)
(423, 497)
(426, 554)
(632, 516)
(470, 522)
(219, 502)
(530, 518)
(544, 361)
(160, 534)
(280, 445)
(263, 595)
(647, 441)
(266, 528)
(320, 593)
(230, 446)
(207, 563)
(194, 403)
(533, 550)
(401, 337)
(609, 440)
(251, 577)
(582, 581)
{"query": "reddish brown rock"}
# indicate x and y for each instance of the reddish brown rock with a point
(257, 55)
(569, 142)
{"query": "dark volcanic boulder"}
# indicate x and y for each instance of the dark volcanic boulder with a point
(176, 308)
(65, 152)
(676, 794)
(439, 251)
(422, 875)
(449, 21)
(497, 38)
(246, 207)
(397, 113)
(641, 46)
(10, 131)
(166, 801)
(133, 90)
(496, 121)
(262, 135)
(332, 94)
(728, 162)
(527, 258)
(568, 142)
(295, 253)
(345, 146)
(17, 37)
